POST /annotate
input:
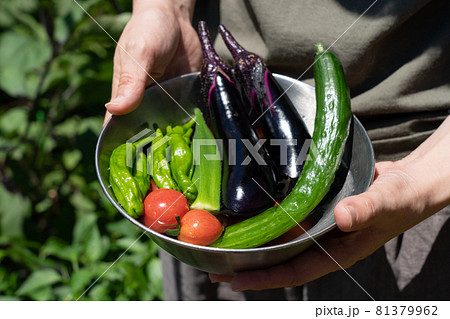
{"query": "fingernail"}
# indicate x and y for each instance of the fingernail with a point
(115, 101)
(352, 213)
(109, 104)
(214, 278)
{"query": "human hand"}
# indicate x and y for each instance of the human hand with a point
(158, 43)
(403, 194)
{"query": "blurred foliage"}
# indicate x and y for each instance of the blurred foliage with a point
(58, 233)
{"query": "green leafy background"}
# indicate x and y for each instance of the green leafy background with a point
(58, 232)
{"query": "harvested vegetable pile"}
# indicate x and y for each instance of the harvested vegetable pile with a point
(249, 194)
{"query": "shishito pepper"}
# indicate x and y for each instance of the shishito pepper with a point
(181, 159)
(161, 173)
(128, 176)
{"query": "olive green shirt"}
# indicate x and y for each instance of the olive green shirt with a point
(396, 57)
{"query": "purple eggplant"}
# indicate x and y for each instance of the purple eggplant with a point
(246, 169)
(271, 110)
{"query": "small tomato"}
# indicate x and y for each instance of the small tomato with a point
(160, 208)
(199, 227)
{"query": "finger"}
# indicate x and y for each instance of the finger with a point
(356, 212)
(310, 265)
(220, 278)
(336, 251)
(116, 73)
(132, 80)
(359, 211)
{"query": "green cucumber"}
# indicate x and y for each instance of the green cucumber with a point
(331, 129)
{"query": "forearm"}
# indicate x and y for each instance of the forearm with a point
(185, 8)
(429, 164)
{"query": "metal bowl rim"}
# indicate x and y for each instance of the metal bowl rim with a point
(208, 248)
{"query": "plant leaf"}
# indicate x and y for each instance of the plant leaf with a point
(14, 121)
(22, 59)
(57, 248)
(71, 158)
(83, 227)
(38, 279)
(80, 280)
(13, 211)
(154, 273)
(96, 245)
(82, 202)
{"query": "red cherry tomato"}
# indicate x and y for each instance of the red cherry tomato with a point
(200, 228)
(160, 208)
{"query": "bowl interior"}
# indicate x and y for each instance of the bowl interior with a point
(172, 103)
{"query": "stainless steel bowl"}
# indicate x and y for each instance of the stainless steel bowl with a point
(158, 107)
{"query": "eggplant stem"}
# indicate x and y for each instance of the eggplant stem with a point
(231, 43)
(209, 54)
(207, 48)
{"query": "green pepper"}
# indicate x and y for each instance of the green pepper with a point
(130, 182)
(160, 165)
(181, 159)
(141, 175)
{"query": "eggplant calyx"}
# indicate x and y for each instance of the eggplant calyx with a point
(249, 68)
(212, 63)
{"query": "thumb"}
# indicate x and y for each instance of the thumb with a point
(132, 81)
(359, 211)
